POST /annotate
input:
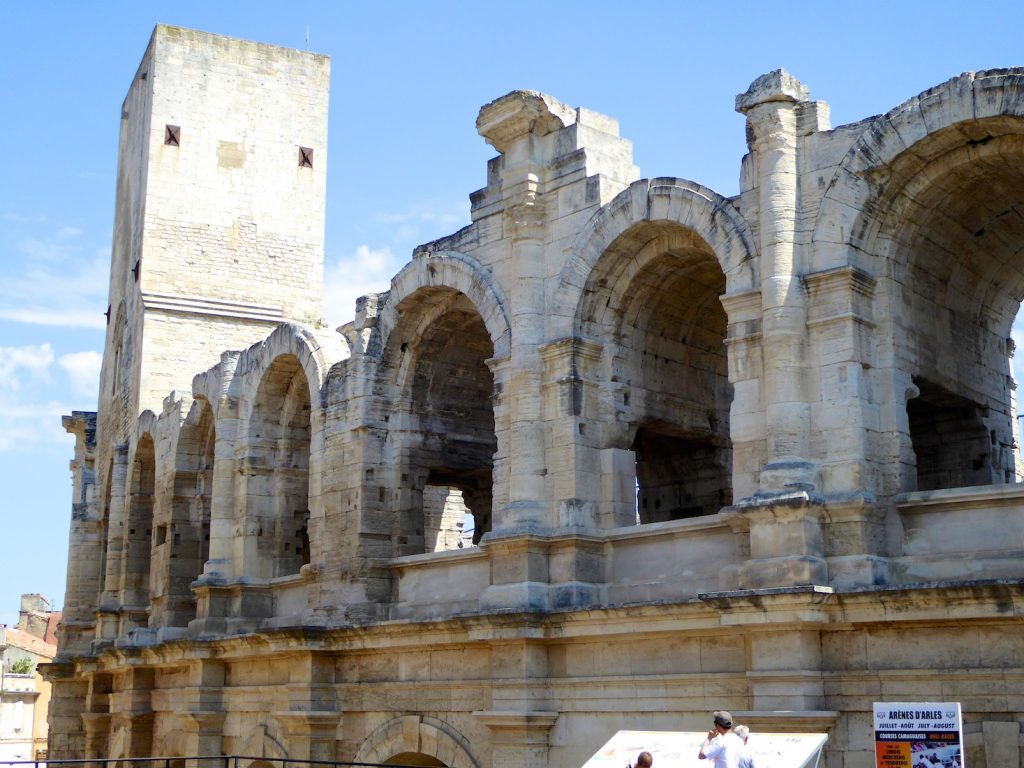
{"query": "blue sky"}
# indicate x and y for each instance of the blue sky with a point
(407, 82)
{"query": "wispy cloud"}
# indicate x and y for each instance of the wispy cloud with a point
(58, 284)
(419, 223)
(83, 369)
(28, 417)
(368, 270)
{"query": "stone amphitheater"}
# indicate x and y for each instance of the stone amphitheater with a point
(619, 452)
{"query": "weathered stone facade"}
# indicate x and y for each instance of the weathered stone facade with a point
(755, 452)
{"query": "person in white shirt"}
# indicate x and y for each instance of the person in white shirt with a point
(747, 755)
(723, 747)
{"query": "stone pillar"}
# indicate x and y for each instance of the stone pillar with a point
(785, 671)
(840, 327)
(66, 715)
(311, 735)
(222, 564)
(522, 127)
(97, 735)
(518, 739)
(784, 668)
(206, 686)
(571, 396)
(85, 556)
(747, 429)
(107, 623)
(1002, 743)
(204, 732)
(770, 105)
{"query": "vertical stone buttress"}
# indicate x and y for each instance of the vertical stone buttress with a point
(784, 514)
(770, 105)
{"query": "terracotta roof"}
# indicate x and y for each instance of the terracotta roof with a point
(30, 643)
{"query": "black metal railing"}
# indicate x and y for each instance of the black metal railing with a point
(198, 761)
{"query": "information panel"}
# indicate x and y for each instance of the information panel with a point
(918, 735)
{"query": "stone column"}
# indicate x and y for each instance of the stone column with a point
(97, 735)
(770, 105)
(204, 732)
(522, 127)
(784, 513)
(526, 508)
(212, 601)
(220, 564)
(311, 735)
(66, 716)
(85, 557)
(746, 372)
(110, 600)
(840, 328)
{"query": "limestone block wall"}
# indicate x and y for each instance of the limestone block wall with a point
(752, 452)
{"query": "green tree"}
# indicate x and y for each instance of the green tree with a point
(22, 666)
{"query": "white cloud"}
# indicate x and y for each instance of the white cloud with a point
(83, 369)
(56, 287)
(35, 359)
(368, 270)
(28, 416)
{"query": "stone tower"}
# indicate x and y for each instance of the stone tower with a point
(218, 231)
(218, 239)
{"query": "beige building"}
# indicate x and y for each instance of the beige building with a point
(754, 453)
(24, 694)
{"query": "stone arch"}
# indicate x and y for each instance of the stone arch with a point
(687, 204)
(182, 539)
(279, 382)
(443, 322)
(417, 734)
(214, 384)
(929, 200)
(646, 280)
(287, 339)
(850, 213)
(458, 272)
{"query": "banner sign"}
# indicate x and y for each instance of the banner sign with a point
(918, 735)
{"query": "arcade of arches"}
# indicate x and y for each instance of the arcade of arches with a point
(620, 452)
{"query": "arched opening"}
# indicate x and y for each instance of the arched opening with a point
(444, 438)
(139, 530)
(655, 295)
(182, 543)
(277, 469)
(957, 242)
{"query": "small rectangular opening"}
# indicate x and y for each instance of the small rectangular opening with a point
(172, 135)
(305, 157)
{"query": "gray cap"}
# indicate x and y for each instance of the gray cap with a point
(723, 718)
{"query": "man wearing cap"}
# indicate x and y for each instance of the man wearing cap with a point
(722, 745)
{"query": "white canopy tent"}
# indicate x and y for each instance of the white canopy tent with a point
(673, 749)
